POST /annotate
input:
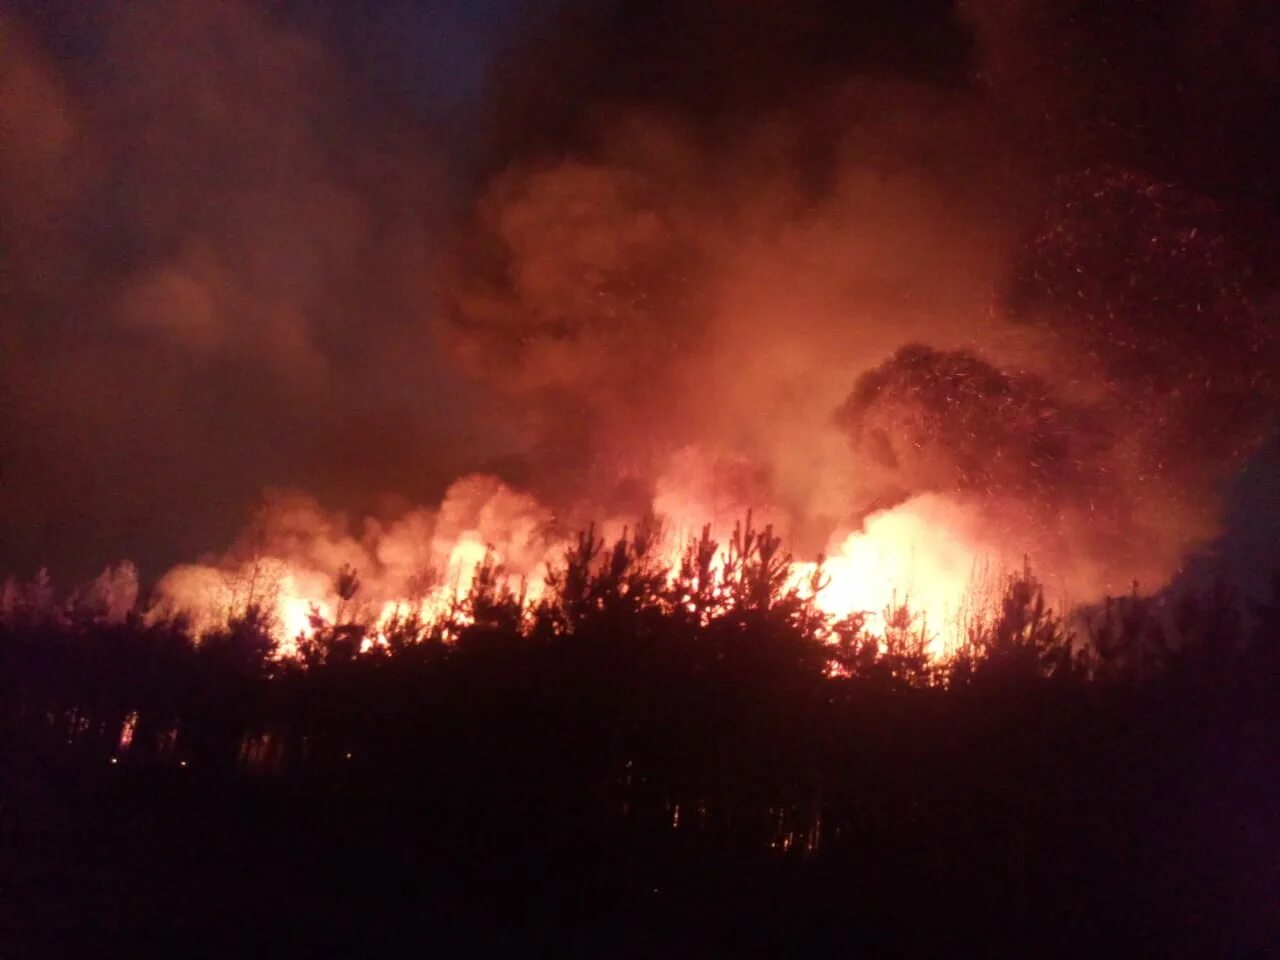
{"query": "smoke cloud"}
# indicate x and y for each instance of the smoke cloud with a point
(993, 257)
(216, 278)
(873, 284)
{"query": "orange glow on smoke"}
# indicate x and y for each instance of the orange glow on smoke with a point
(921, 554)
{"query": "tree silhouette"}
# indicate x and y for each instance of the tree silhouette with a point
(704, 726)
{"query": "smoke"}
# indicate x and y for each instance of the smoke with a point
(951, 422)
(815, 258)
(288, 560)
(870, 282)
(216, 278)
(663, 292)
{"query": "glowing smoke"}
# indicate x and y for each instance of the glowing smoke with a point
(685, 278)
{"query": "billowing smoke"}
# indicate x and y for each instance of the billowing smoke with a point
(877, 283)
(1161, 384)
(947, 421)
(994, 260)
(661, 291)
(289, 559)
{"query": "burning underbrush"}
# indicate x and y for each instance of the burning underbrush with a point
(913, 590)
(308, 577)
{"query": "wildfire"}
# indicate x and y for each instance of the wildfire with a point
(912, 556)
(920, 555)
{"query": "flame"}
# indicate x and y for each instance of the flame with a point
(922, 554)
(918, 555)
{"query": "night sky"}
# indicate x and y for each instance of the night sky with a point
(342, 248)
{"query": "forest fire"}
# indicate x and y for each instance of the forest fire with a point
(869, 309)
(912, 560)
(920, 467)
(637, 478)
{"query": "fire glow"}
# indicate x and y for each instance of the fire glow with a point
(923, 323)
(914, 555)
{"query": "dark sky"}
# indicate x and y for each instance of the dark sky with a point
(232, 233)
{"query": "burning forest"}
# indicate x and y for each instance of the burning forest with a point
(742, 438)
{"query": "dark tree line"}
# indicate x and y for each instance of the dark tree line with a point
(638, 728)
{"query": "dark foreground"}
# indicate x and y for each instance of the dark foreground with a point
(639, 770)
(1173, 858)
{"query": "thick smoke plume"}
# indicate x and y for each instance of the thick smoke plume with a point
(948, 421)
(989, 263)
(873, 289)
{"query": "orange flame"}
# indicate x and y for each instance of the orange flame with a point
(920, 554)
